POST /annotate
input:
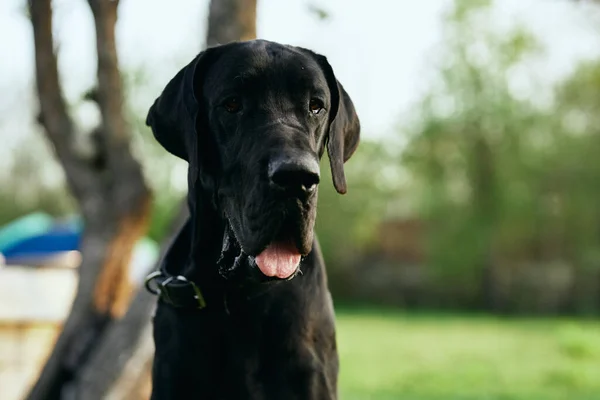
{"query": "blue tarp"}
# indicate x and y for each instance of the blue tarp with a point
(51, 242)
(22, 228)
(38, 235)
(37, 239)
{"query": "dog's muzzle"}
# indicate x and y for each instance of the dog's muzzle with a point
(235, 265)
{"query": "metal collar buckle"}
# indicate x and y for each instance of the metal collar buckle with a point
(165, 287)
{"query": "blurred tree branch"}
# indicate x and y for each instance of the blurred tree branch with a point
(112, 194)
(53, 116)
(231, 20)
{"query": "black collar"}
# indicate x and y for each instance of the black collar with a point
(176, 291)
(180, 292)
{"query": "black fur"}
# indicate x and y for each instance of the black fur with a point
(257, 338)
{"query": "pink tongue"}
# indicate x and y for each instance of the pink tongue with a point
(279, 259)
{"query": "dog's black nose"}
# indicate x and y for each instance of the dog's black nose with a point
(297, 175)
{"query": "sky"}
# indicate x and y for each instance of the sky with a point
(381, 50)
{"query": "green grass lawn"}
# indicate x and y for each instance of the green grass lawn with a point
(387, 355)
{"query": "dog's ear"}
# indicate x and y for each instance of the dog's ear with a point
(344, 135)
(178, 120)
(173, 113)
(166, 118)
(344, 127)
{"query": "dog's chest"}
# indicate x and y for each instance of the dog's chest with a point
(274, 360)
(258, 356)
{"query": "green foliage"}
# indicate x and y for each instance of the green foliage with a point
(320, 13)
(389, 355)
(502, 176)
(346, 224)
(24, 189)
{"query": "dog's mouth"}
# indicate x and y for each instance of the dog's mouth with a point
(279, 260)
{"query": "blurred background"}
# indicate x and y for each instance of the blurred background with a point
(464, 260)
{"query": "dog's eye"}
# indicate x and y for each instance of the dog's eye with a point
(315, 106)
(232, 105)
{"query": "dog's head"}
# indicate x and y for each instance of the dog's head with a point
(253, 120)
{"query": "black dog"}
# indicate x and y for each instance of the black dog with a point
(253, 120)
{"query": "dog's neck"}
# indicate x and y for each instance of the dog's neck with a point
(208, 226)
(204, 248)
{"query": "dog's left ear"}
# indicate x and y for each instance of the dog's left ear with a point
(178, 119)
(344, 127)
(169, 118)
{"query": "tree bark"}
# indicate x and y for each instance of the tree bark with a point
(117, 364)
(108, 186)
(230, 21)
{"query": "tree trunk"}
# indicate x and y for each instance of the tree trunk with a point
(108, 186)
(116, 365)
(125, 350)
(230, 21)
